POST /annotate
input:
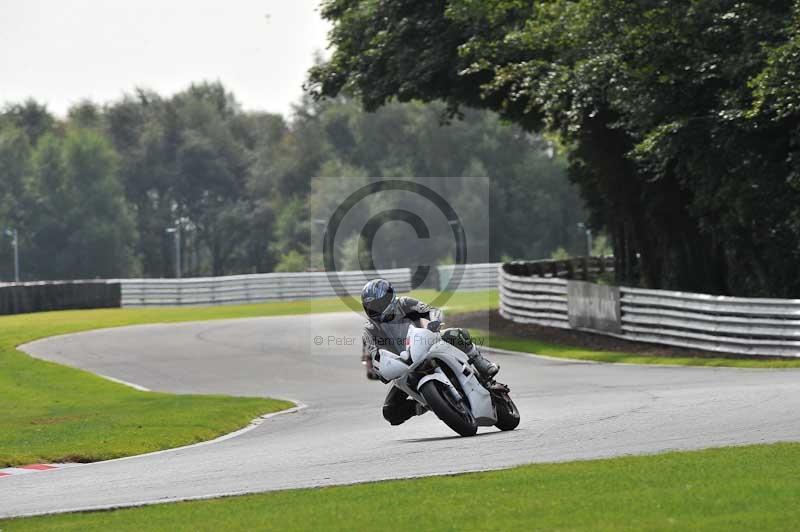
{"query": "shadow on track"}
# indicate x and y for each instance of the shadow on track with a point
(454, 437)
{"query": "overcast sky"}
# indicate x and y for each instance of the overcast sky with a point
(62, 51)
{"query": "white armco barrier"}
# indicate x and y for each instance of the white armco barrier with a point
(473, 276)
(714, 323)
(238, 289)
(539, 300)
(747, 326)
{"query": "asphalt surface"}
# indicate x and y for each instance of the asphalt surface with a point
(570, 410)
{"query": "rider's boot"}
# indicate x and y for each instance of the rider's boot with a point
(461, 339)
(485, 367)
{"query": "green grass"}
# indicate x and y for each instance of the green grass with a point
(737, 488)
(49, 412)
(526, 345)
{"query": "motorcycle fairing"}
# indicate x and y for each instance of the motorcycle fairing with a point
(479, 399)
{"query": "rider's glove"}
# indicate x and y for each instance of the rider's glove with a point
(434, 326)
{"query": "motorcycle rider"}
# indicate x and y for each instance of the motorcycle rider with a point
(388, 319)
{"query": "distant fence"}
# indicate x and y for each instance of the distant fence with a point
(745, 326)
(584, 268)
(473, 276)
(242, 289)
(58, 295)
(235, 289)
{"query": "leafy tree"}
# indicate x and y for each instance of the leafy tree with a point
(188, 158)
(85, 114)
(14, 166)
(532, 207)
(145, 132)
(680, 117)
(293, 261)
(80, 226)
(31, 117)
(94, 193)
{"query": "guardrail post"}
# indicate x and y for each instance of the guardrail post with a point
(570, 269)
(553, 266)
(586, 273)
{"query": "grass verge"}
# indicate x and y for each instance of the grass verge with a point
(737, 488)
(52, 413)
(526, 345)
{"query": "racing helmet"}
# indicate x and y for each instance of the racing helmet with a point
(378, 300)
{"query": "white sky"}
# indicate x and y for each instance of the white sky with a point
(62, 51)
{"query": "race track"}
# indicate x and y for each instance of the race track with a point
(569, 411)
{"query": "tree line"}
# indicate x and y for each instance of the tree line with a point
(93, 194)
(681, 118)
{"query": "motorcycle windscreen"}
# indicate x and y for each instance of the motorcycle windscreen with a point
(419, 341)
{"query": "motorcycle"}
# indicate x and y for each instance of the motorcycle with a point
(439, 376)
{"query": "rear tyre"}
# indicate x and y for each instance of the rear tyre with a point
(455, 414)
(507, 413)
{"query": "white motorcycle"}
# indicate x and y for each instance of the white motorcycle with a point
(440, 377)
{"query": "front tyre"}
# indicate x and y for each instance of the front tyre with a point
(507, 413)
(455, 414)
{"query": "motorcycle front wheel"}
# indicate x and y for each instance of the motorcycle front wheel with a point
(507, 413)
(455, 414)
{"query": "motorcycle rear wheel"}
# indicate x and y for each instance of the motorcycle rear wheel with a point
(454, 414)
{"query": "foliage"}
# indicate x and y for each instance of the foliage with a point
(559, 254)
(292, 261)
(92, 195)
(681, 118)
(601, 247)
(64, 197)
(79, 203)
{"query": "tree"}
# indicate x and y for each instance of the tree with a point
(532, 206)
(14, 166)
(80, 226)
(680, 117)
(31, 117)
(145, 133)
(188, 158)
(94, 194)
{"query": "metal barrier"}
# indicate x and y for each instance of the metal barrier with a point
(713, 323)
(242, 289)
(747, 326)
(538, 300)
(473, 276)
